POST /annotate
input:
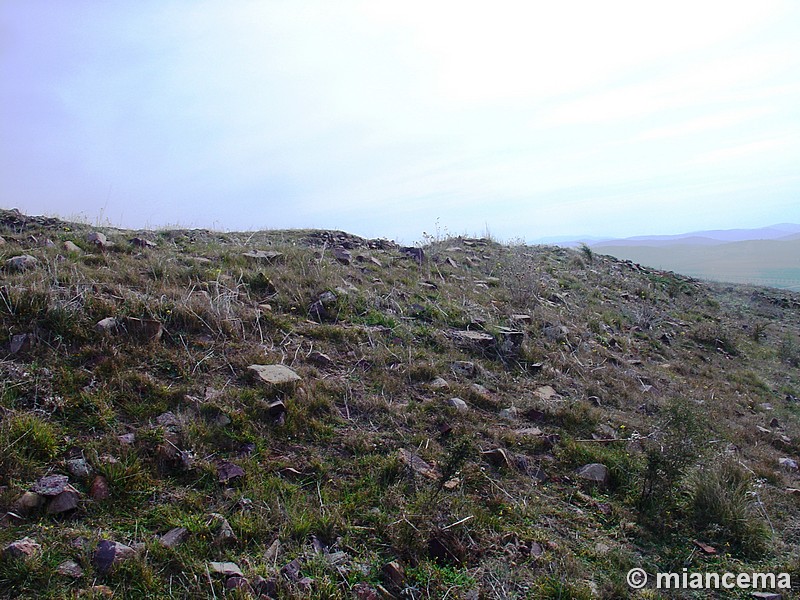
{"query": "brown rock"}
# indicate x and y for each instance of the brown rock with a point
(24, 549)
(27, 503)
(99, 490)
(142, 242)
(71, 247)
(394, 573)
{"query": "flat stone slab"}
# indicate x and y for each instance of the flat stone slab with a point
(227, 569)
(275, 374)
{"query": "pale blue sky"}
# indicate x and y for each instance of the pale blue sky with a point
(530, 118)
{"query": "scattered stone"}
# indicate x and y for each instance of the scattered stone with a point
(475, 340)
(51, 485)
(22, 342)
(142, 242)
(168, 419)
(225, 534)
(24, 549)
(264, 587)
(439, 384)
(705, 548)
(531, 431)
(269, 256)
(343, 256)
(594, 473)
(27, 503)
(174, 537)
(276, 411)
(227, 471)
(497, 457)
(107, 325)
(64, 502)
(98, 591)
(546, 392)
(458, 404)
(481, 392)
(69, 568)
(148, 330)
(418, 465)
(320, 359)
(509, 413)
(21, 263)
(415, 253)
(510, 341)
(321, 309)
(227, 569)
(364, 591)
(239, 583)
(127, 439)
(520, 319)
(271, 553)
(788, 464)
(108, 554)
(275, 374)
(97, 238)
(79, 467)
(464, 368)
(766, 595)
(292, 570)
(394, 573)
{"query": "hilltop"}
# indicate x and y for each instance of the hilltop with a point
(310, 414)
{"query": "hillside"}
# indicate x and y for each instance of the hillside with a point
(309, 414)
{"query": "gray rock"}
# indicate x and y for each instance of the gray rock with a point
(439, 384)
(109, 554)
(107, 325)
(275, 374)
(21, 342)
(788, 464)
(228, 569)
(79, 467)
(142, 242)
(458, 404)
(343, 256)
(69, 568)
(64, 502)
(23, 262)
(594, 473)
(98, 239)
(71, 248)
(51, 485)
(464, 368)
(174, 537)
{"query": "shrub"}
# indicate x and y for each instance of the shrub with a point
(722, 507)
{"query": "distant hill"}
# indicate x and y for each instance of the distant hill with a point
(774, 263)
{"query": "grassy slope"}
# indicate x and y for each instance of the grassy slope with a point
(680, 374)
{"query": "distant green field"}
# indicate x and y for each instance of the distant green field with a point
(762, 262)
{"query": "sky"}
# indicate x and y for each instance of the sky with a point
(524, 120)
